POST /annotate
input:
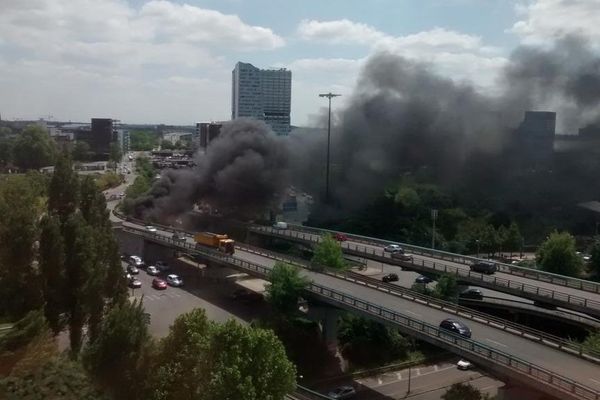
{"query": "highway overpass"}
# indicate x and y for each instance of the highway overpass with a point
(569, 293)
(509, 354)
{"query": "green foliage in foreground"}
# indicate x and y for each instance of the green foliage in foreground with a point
(462, 391)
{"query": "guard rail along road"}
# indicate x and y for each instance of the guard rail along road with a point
(561, 299)
(500, 362)
(560, 280)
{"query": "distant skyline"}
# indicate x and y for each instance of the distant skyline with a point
(171, 61)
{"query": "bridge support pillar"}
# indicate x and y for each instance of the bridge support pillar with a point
(327, 317)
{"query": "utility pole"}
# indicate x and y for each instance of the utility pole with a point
(329, 96)
(434, 214)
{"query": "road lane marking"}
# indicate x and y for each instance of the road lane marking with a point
(379, 381)
(413, 313)
(496, 343)
(399, 375)
(435, 368)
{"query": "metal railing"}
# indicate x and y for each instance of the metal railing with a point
(475, 350)
(535, 335)
(489, 281)
(555, 279)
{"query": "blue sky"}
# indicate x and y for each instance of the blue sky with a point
(166, 61)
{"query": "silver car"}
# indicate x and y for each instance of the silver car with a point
(174, 280)
(342, 392)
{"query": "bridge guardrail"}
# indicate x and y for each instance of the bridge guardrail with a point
(490, 281)
(475, 349)
(396, 290)
(556, 279)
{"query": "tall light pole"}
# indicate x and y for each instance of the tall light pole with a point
(434, 215)
(329, 96)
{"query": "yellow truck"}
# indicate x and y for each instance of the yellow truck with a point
(216, 241)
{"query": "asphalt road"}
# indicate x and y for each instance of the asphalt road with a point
(378, 250)
(427, 382)
(211, 295)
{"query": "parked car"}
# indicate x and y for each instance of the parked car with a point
(464, 365)
(135, 261)
(134, 283)
(152, 270)
(179, 237)
(423, 279)
(159, 284)
(471, 293)
(402, 256)
(393, 248)
(389, 278)
(174, 280)
(484, 267)
(150, 228)
(342, 392)
(162, 266)
(133, 270)
(280, 225)
(455, 326)
(340, 237)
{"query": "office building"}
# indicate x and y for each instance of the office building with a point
(206, 132)
(101, 135)
(262, 94)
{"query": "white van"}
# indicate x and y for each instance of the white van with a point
(280, 225)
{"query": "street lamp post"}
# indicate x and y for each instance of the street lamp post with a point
(434, 215)
(329, 97)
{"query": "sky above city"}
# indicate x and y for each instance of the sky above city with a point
(170, 61)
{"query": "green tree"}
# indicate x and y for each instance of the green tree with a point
(595, 257)
(365, 342)
(286, 287)
(58, 379)
(204, 360)
(115, 154)
(34, 148)
(559, 255)
(592, 342)
(20, 286)
(142, 140)
(116, 355)
(81, 151)
(166, 145)
(6, 150)
(64, 189)
(462, 391)
(328, 253)
(52, 264)
(446, 288)
(513, 240)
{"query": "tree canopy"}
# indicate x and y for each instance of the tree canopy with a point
(559, 255)
(34, 148)
(285, 288)
(463, 391)
(328, 253)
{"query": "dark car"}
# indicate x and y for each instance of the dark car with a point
(474, 294)
(455, 326)
(423, 279)
(390, 278)
(402, 256)
(341, 237)
(159, 284)
(134, 283)
(484, 267)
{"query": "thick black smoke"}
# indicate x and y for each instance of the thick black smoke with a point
(404, 117)
(243, 171)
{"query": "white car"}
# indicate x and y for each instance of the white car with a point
(464, 365)
(152, 270)
(393, 248)
(135, 261)
(150, 228)
(280, 225)
(174, 280)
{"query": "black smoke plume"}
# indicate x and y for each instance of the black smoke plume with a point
(403, 117)
(243, 171)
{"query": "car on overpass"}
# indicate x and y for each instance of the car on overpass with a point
(150, 228)
(423, 279)
(179, 237)
(455, 326)
(471, 293)
(340, 237)
(483, 267)
(389, 278)
(402, 256)
(393, 248)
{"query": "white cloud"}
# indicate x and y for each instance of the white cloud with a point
(338, 32)
(544, 20)
(60, 56)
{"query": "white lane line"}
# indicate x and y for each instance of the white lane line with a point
(418, 371)
(379, 381)
(435, 368)
(496, 343)
(595, 381)
(413, 313)
(399, 376)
